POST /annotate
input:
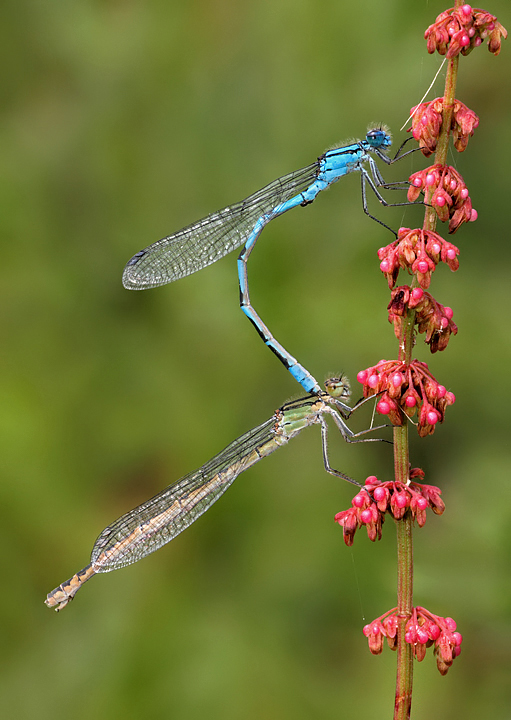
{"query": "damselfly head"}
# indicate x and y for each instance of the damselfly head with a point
(379, 137)
(338, 387)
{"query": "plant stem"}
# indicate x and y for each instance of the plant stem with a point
(404, 678)
(442, 147)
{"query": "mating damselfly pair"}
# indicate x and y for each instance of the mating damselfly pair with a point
(157, 521)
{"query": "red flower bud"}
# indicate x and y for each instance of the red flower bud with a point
(417, 251)
(418, 390)
(449, 197)
(462, 29)
(422, 630)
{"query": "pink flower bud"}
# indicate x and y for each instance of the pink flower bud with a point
(422, 503)
(401, 499)
(366, 516)
(383, 407)
(379, 493)
(434, 631)
(397, 380)
(450, 624)
(359, 500)
(411, 634)
(422, 636)
(432, 417)
(390, 625)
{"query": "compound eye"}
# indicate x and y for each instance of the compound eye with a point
(375, 135)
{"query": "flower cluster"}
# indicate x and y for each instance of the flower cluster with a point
(419, 251)
(431, 317)
(406, 388)
(423, 630)
(369, 506)
(449, 197)
(460, 30)
(427, 121)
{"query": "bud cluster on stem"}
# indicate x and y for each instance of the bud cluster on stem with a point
(423, 629)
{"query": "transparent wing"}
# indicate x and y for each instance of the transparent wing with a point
(157, 521)
(207, 240)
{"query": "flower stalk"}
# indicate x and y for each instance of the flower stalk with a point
(406, 386)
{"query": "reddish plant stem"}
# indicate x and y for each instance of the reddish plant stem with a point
(442, 147)
(404, 676)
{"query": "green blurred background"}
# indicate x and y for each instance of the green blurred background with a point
(120, 123)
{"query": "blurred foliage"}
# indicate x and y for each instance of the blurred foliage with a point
(122, 121)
